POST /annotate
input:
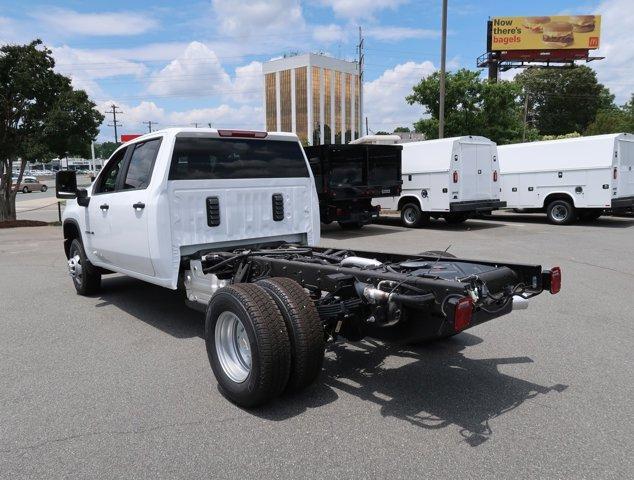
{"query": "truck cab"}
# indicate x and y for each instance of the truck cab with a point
(168, 194)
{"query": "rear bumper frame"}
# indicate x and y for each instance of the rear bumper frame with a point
(623, 203)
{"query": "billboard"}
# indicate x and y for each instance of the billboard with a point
(545, 33)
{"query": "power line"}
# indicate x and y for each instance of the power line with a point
(149, 124)
(115, 123)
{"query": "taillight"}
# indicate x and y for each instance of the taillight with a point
(462, 314)
(495, 175)
(615, 173)
(555, 280)
(242, 133)
(455, 176)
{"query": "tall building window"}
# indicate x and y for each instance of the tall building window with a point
(338, 119)
(315, 89)
(348, 122)
(285, 101)
(327, 102)
(271, 102)
(357, 106)
(301, 105)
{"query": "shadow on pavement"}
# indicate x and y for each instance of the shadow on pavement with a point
(470, 224)
(157, 306)
(432, 386)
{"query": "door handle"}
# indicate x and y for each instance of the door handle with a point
(138, 206)
(105, 206)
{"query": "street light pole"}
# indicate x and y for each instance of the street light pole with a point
(443, 56)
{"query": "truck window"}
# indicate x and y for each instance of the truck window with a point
(346, 170)
(107, 181)
(228, 158)
(141, 164)
(384, 167)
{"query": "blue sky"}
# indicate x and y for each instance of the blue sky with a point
(176, 63)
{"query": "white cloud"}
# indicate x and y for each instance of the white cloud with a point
(247, 18)
(617, 25)
(329, 33)
(384, 98)
(248, 84)
(95, 24)
(361, 9)
(392, 34)
(197, 71)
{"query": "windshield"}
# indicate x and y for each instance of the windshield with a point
(229, 158)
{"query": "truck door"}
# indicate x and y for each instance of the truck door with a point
(468, 172)
(130, 208)
(98, 226)
(625, 168)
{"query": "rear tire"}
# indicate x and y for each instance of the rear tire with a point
(43, 189)
(247, 344)
(304, 327)
(560, 212)
(412, 216)
(25, 190)
(85, 275)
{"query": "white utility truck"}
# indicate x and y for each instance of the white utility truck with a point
(569, 179)
(453, 178)
(229, 217)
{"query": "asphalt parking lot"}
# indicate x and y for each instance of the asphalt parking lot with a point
(119, 386)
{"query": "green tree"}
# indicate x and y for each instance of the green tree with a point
(613, 120)
(41, 115)
(402, 130)
(473, 106)
(105, 149)
(563, 100)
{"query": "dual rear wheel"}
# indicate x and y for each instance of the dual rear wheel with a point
(263, 340)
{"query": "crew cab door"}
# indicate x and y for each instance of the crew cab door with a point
(130, 208)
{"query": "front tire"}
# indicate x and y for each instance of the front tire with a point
(412, 216)
(560, 212)
(247, 344)
(43, 189)
(25, 190)
(304, 327)
(85, 275)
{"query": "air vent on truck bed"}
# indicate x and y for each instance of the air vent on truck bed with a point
(213, 211)
(278, 207)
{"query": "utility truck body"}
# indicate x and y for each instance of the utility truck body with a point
(452, 178)
(570, 178)
(231, 218)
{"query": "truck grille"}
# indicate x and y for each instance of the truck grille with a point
(213, 211)
(278, 207)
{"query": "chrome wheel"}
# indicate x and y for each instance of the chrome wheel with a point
(560, 213)
(410, 215)
(233, 347)
(74, 267)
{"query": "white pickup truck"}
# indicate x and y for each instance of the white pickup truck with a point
(229, 218)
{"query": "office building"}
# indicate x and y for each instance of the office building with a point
(315, 96)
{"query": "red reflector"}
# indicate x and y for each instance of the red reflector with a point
(242, 133)
(555, 280)
(495, 175)
(462, 314)
(126, 137)
(455, 177)
(615, 174)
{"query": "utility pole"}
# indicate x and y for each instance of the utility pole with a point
(367, 130)
(209, 125)
(443, 56)
(525, 116)
(360, 86)
(194, 124)
(149, 124)
(113, 111)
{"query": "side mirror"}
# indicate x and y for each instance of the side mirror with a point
(82, 197)
(66, 184)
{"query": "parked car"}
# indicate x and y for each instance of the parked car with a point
(29, 184)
